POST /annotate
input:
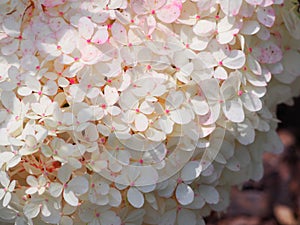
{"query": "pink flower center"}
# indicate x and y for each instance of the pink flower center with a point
(179, 180)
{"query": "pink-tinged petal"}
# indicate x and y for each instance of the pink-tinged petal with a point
(170, 12)
(266, 16)
(139, 6)
(268, 53)
(231, 8)
(52, 3)
(90, 54)
(267, 3)
(30, 62)
(101, 36)
(85, 27)
(155, 4)
(254, 2)
(119, 33)
(56, 23)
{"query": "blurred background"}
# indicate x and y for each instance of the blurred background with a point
(275, 200)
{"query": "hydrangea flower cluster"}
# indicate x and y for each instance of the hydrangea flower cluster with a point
(117, 112)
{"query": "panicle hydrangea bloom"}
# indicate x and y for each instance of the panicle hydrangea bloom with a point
(131, 112)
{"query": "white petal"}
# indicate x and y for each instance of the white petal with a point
(186, 217)
(231, 8)
(200, 107)
(79, 185)
(220, 73)
(115, 197)
(31, 210)
(168, 218)
(233, 110)
(119, 33)
(251, 102)
(181, 116)
(32, 181)
(141, 122)
(31, 190)
(101, 36)
(184, 194)
(55, 189)
(4, 179)
(191, 171)
(109, 217)
(7, 198)
(155, 135)
(111, 95)
(174, 100)
(250, 27)
(235, 60)
(254, 65)
(11, 27)
(291, 60)
(29, 62)
(135, 197)
(10, 48)
(2, 193)
(209, 193)
(70, 197)
(64, 173)
(85, 27)
(147, 107)
(166, 125)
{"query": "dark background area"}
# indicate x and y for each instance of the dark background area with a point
(275, 200)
